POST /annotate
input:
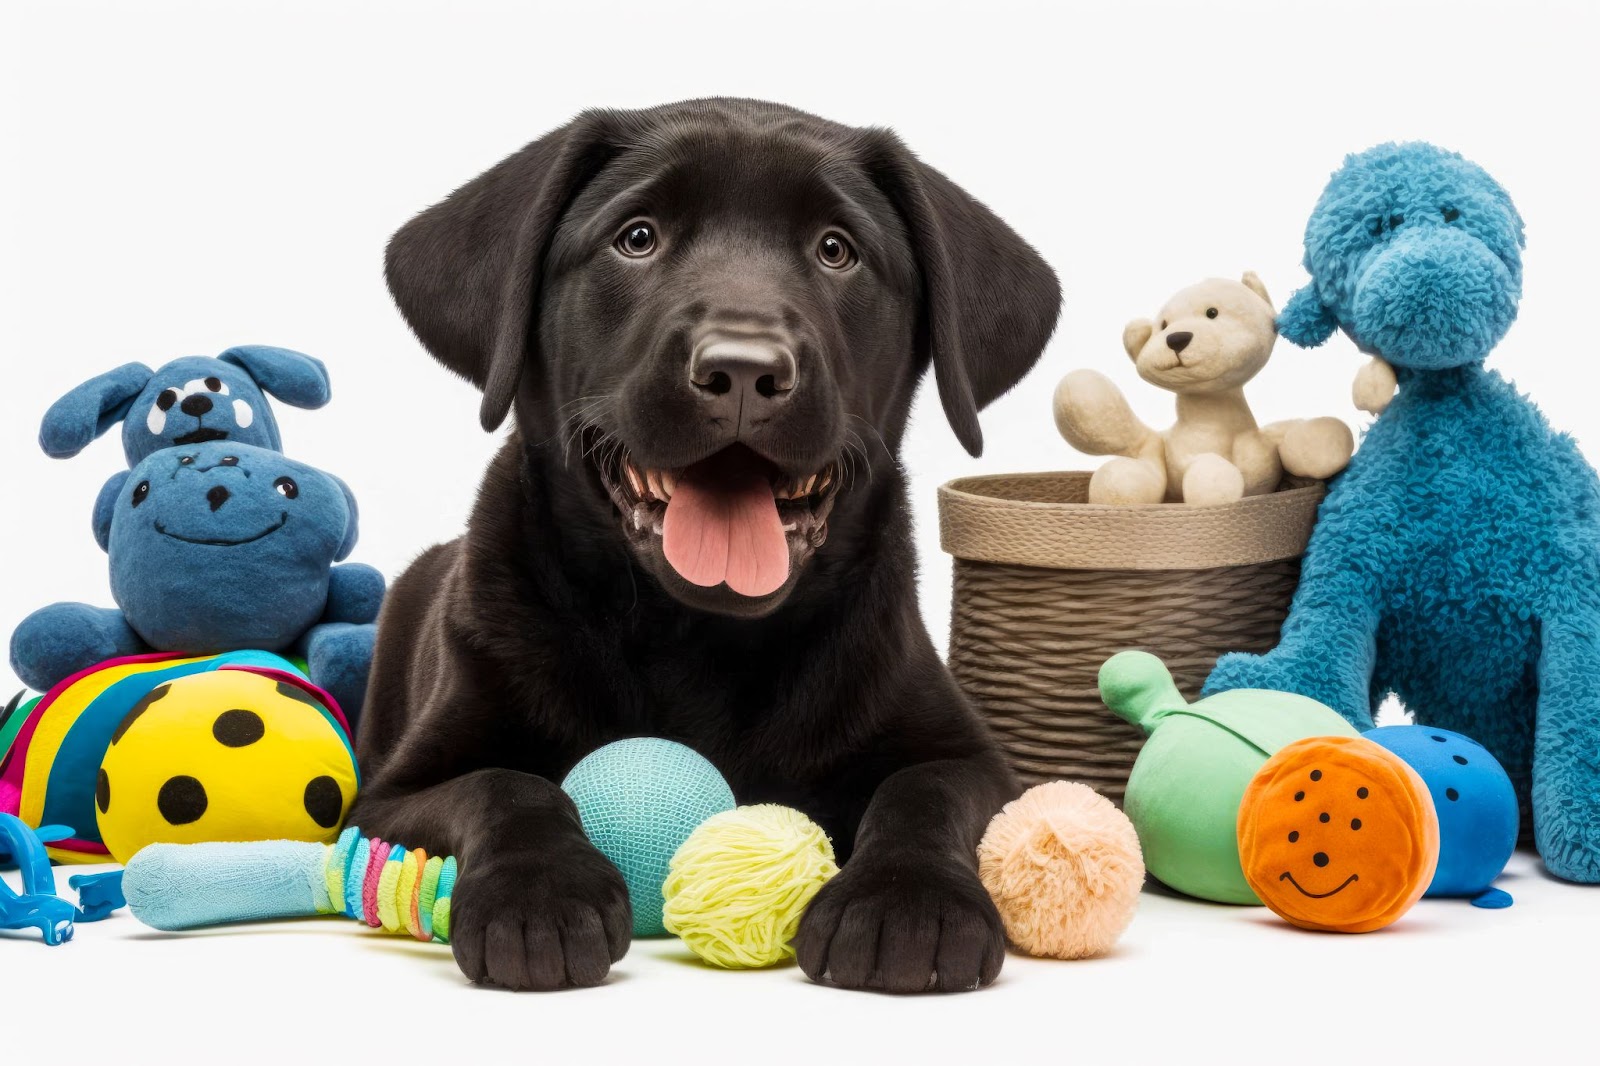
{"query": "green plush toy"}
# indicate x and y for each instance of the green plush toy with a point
(1184, 792)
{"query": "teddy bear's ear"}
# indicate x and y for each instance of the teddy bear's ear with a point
(351, 522)
(1135, 335)
(105, 506)
(1253, 283)
(1305, 320)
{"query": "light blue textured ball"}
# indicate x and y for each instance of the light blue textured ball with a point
(639, 800)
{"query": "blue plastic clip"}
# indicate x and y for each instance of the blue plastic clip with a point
(39, 907)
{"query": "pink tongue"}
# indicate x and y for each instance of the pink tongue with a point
(722, 525)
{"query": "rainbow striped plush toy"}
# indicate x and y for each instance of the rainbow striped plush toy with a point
(383, 885)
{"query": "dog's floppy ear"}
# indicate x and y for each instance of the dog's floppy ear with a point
(1306, 320)
(292, 377)
(105, 505)
(86, 412)
(990, 301)
(466, 271)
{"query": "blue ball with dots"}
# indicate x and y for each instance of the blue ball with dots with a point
(1476, 803)
(639, 800)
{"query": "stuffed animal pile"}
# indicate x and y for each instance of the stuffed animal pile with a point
(1456, 562)
(211, 703)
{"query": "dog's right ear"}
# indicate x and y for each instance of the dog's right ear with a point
(466, 272)
(86, 412)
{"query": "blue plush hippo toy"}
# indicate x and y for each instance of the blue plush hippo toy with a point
(188, 401)
(216, 547)
(1456, 562)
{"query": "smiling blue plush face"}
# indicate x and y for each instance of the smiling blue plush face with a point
(221, 545)
(1417, 253)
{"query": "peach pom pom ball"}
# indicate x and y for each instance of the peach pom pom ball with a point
(1063, 867)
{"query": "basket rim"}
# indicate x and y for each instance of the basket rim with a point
(977, 526)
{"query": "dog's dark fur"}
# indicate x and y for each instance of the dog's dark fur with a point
(547, 630)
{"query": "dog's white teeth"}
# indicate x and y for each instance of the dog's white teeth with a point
(634, 480)
(824, 479)
(669, 485)
(790, 527)
(653, 480)
(807, 485)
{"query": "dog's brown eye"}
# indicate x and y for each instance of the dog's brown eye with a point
(286, 487)
(1211, 312)
(637, 240)
(835, 252)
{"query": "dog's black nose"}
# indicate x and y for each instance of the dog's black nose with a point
(742, 371)
(216, 496)
(1176, 341)
(195, 405)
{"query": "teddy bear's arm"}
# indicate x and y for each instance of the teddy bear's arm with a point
(57, 641)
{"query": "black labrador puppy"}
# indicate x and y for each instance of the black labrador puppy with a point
(709, 318)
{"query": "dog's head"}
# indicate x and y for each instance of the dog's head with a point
(188, 401)
(1210, 337)
(721, 309)
(1414, 252)
(223, 530)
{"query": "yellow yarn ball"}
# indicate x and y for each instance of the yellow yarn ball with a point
(736, 889)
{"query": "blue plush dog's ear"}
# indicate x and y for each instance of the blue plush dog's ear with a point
(296, 379)
(105, 505)
(351, 521)
(1305, 320)
(80, 416)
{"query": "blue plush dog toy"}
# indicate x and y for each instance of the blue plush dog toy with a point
(1456, 562)
(188, 401)
(217, 547)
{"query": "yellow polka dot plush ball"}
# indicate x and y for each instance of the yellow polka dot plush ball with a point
(227, 755)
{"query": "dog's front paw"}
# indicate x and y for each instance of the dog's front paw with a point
(541, 921)
(902, 926)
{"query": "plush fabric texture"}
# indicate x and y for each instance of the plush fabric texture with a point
(1183, 794)
(1456, 562)
(639, 800)
(189, 886)
(1338, 834)
(1474, 799)
(215, 547)
(1063, 867)
(50, 772)
(1203, 345)
(230, 755)
(188, 401)
(737, 888)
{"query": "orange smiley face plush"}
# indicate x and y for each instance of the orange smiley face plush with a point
(1338, 834)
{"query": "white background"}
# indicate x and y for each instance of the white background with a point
(180, 178)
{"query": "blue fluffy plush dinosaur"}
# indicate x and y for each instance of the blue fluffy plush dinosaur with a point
(1456, 562)
(187, 401)
(216, 547)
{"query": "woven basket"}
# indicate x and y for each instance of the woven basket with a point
(1049, 586)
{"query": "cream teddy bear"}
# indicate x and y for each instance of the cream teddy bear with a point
(1205, 344)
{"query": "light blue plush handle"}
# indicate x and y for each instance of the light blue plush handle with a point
(183, 886)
